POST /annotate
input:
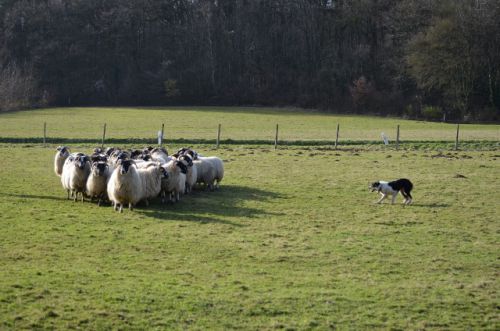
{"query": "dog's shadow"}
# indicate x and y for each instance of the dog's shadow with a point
(430, 205)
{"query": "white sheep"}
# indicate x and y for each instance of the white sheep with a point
(174, 183)
(206, 172)
(151, 180)
(96, 186)
(160, 154)
(61, 156)
(218, 166)
(75, 172)
(125, 185)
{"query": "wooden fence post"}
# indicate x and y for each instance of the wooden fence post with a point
(103, 135)
(337, 136)
(397, 138)
(218, 136)
(276, 138)
(456, 138)
(162, 131)
(44, 134)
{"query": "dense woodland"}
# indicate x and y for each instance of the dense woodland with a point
(414, 58)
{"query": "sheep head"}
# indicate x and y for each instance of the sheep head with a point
(181, 166)
(99, 168)
(125, 165)
(164, 172)
(63, 151)
(81, 161)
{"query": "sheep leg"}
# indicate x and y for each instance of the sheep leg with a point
(68, 194)
(130, 206)
(163, 197)
(121, 207)
(115, 206)
(82, 198)
(147, 202)
(75, 196)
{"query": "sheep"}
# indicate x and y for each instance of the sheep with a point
(125, 185)
(206, 172)
(97, 182)
(75, 172)
(151, 179)
(61, 156)
(160, 154)
(191, 174)
(174, 182)
(218, 166)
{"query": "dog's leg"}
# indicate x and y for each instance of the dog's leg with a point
(394, 197)
(382, 198)
(405, 196)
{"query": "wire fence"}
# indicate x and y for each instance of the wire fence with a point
(455, 140)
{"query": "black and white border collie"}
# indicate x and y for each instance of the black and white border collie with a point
(402, 185)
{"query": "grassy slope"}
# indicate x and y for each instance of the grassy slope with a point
(291, 240)
(237, 124)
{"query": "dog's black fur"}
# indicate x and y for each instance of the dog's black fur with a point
(403, 185)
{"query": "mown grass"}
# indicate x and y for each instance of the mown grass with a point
(237, 124)
(292, 240)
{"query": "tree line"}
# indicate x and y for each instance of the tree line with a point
(414, 58)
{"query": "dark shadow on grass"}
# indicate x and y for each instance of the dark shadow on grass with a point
(32, 196)
(200, 206)
(209, 207)
(430, 205)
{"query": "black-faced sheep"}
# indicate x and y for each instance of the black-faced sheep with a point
(74, 176)
(175, 182)
(125, 185)
(61, 156)
(96, 186)
(191, 173)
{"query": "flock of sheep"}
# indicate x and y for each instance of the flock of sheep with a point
(127, 177)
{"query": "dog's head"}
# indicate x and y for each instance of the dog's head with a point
(375, 186)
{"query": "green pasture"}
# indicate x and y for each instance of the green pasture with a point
(237, 124)
(292, 240)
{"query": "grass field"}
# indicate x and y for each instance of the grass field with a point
(292, 240)
(237, 124)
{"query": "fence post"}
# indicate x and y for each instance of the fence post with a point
(162, 130)
(218, 136)
(456, 138)
(103, 135)
(44, 134)
(397, 138)
(337, 136)
(276, 138)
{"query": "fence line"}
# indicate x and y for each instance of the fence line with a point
(218, 141)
